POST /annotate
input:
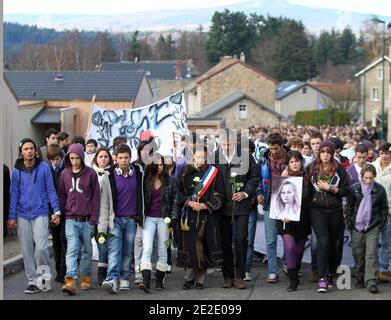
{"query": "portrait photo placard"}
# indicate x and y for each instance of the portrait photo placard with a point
(286, 198)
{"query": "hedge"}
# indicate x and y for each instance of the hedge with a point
(320, 117)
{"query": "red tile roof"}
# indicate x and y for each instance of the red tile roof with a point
(223, 66)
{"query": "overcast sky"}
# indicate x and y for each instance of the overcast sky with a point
(381, 7)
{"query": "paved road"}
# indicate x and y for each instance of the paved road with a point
(257, 289)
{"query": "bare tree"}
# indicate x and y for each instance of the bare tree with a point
(103, 48)
(182, 50)
(197, 43)
(31, 58)
(146, 50)
(123, 45)
(74, 46)
(263, 54)
(56, 51)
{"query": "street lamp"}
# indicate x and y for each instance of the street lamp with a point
(378, 21)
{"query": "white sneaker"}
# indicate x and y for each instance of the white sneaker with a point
(138, 278)
(110, 286)
(272, 278)
(124, 284)
(168, 268)
(247, 277)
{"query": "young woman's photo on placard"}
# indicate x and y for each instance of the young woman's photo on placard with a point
(286, 198)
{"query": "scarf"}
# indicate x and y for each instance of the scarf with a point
(365, 209)
(277, 166)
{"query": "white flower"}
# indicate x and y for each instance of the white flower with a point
(233, 174)
(167, 220)
(101, 240)
(197, 179)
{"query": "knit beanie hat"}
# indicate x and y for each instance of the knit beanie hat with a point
(327, 143)
(25, 140)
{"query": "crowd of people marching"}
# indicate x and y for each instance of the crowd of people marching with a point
(206, 203)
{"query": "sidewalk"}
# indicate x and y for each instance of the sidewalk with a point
(11, 247)
(12, 256)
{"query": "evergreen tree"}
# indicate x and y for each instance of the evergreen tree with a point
(347, 44)
(230, 34)
(323, 48)
(134, 46)
(294, 54)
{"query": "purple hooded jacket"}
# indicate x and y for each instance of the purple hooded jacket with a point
(80, 197)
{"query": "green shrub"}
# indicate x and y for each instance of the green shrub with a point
(320, 117)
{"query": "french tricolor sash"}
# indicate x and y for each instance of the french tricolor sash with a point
(206, 181)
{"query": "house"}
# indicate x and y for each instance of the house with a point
(165, 77)
(236, 92)
(38, 100)
(371, 80)
(294, 96)
(238, 110)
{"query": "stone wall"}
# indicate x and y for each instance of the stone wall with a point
(238, 77)
(255, 116)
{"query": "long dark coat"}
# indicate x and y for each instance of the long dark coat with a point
(200, 246)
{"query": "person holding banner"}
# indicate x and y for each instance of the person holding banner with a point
(159, 199)
(329, 184)
(144, 156)
(295, 233)
(200, 195)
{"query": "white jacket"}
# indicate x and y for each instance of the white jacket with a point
(384, 178)
(106, 216)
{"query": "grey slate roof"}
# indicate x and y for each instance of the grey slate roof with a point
(285, 88)
(47, 115)
(230, 99)
(75, 85)
(155, 70)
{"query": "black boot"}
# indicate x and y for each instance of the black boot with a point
(159, 279)
(293, 279)
(102, 273)
(145, 285)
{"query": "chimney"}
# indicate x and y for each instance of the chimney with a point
(225, 59)
(242, 57)
(178, 69)
(59, 77)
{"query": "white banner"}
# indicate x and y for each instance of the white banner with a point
(165, 118)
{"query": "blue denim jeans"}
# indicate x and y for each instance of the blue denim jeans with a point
(78, 236)
(121, 248)
(271, 242)
(252, 226)
(154, 226)
(385, 247)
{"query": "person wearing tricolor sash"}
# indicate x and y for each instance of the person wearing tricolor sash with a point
(200, 195)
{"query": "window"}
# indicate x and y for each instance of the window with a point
(380, 73)
(242, 112)
(304, 90)
(375, 94)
